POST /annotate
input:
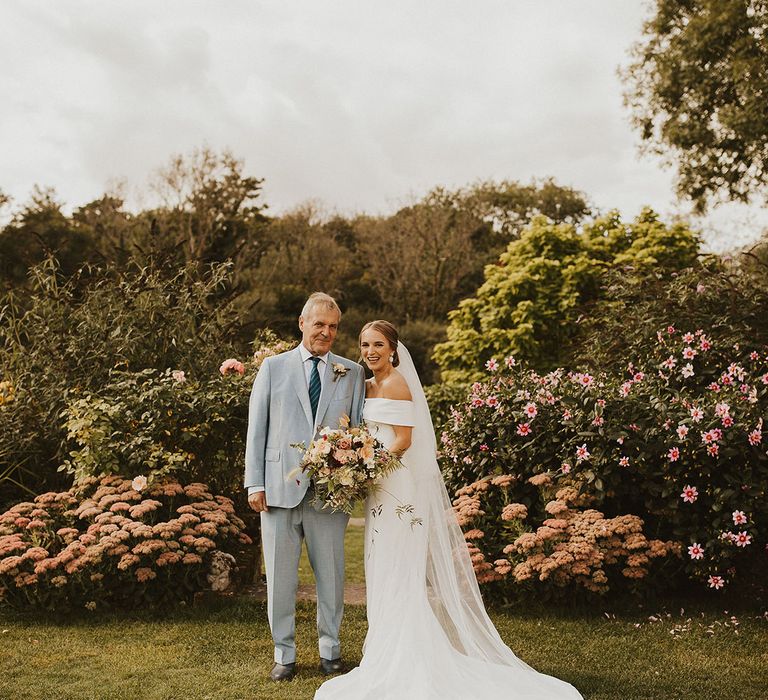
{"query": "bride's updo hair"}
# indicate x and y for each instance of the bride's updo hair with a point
(389, 332)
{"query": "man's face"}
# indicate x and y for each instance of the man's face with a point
(318, 330)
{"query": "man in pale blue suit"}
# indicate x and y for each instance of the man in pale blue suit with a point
(294, 395)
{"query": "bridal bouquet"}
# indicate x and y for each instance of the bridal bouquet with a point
(345, 464)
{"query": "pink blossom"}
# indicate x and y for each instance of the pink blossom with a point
(682, 431)
(477, 387)
(755, 437)
(727, 421)
(714, 386)
(742, 539)
(716, 582)
(670, 362)
(626, 387)
(639, 376)
(673, 454)
(688, 338)
(620, 440)
(492, 401)
(704, 344)
(530, 410)
(477, 402)
(670, 329)
(726, 380)
(179, 376)
(582, 453)
(687, 370)
(599, 420)
(484, 448)
(510, 361)
(689, 353)
(739, 517)
(713, 449)
(700, 288)
(567, 415)
(523, 429)
(624, 462)
(689, 494)
(754, 355)
(696, 414)
(764, 378)
(232, 365)
(565, 468)
(696, 551)
(722, 409)
(492, 365)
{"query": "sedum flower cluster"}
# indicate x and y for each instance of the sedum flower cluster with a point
(113, 541)
(573, 545)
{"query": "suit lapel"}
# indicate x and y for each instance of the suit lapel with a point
(329, 389)
(299, 380)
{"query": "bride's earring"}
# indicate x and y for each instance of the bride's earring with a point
(392, 358)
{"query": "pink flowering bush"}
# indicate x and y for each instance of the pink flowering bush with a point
(674, 439)
(105, 543)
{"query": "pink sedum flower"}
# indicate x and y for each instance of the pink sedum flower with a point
(523, 429)
(696, 414)
(674, 454)
(689, 353)
(492, 365)
(687, 371)
(624, 462)
(682, 431)
(742, 539)
(696, 551)
(755, 437)
(530, 410)
(179, 376)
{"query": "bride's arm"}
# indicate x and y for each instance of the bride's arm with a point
(402, 439)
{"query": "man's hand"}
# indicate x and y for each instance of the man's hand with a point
(258, 501)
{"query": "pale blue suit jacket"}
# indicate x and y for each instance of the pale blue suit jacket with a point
(279, 415)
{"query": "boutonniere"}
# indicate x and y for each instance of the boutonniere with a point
(339, 370)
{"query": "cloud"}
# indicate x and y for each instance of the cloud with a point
(358, 104)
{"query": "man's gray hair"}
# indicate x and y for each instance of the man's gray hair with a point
(320, 299)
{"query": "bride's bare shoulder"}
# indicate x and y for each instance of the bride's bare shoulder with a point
(396, 388)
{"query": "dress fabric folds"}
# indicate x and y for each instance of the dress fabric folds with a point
(429, 636)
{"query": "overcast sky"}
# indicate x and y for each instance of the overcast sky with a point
(361, 105)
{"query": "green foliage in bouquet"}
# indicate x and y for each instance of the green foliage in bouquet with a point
(532, 297)
(114, 542)
(674, 438)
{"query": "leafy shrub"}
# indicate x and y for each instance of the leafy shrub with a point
(675, 439)
(66, 338)
(113, 541)
(167, 423)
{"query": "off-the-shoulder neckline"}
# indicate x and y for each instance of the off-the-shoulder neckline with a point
(383, 398)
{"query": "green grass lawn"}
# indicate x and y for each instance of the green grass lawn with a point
(222, 650)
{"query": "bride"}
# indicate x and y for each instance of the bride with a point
(429, 636)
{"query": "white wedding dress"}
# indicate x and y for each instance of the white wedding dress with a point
(429, 636)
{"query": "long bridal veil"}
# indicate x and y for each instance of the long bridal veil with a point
(452, 588)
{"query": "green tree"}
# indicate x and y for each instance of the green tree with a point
(698, 87)
(38, 230)
(532, 298)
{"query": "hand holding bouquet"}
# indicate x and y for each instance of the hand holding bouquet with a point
(345, 464)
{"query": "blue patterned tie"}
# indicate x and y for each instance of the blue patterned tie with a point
(314, 385)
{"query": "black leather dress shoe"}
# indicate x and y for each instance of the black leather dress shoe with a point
(282, 672)
(331, 667)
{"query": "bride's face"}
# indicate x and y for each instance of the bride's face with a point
(375, 349)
